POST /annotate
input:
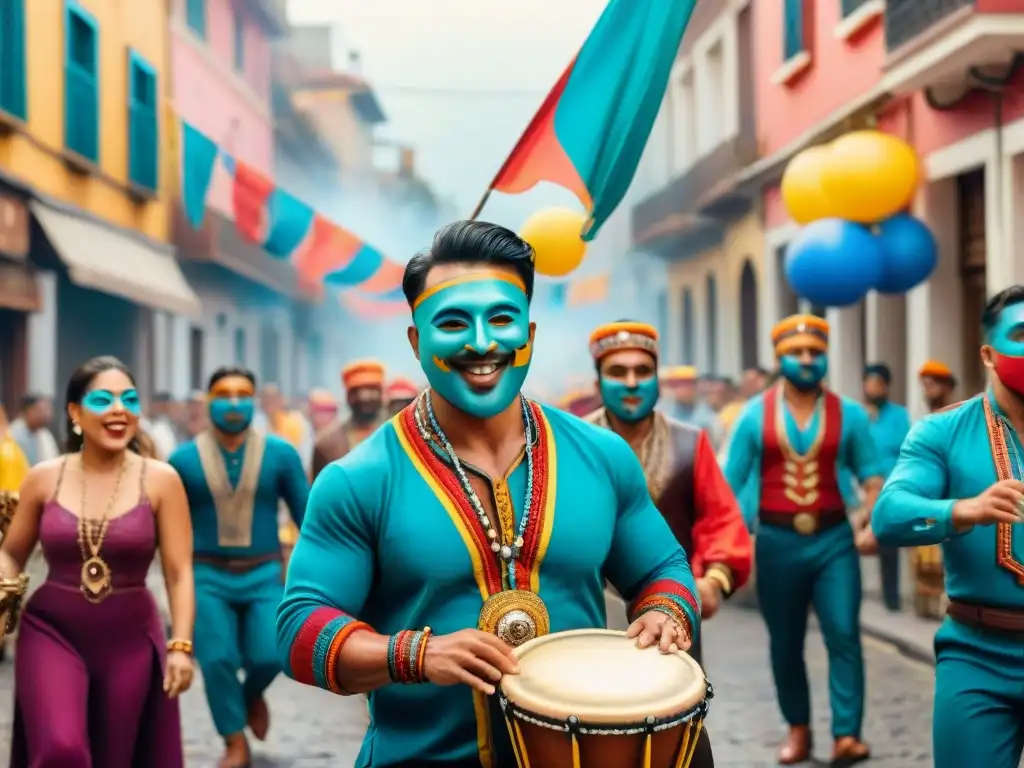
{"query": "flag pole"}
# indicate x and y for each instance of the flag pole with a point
(480, 206)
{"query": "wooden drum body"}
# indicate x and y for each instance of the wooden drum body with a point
(591, 699)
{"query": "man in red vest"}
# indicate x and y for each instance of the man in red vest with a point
(791, 442)
(680, 466)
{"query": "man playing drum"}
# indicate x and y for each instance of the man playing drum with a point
(958, 484)
(679, 463)
(794, 442)
(473, 521)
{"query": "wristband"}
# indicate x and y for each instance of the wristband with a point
(406, 651)
(182, 646)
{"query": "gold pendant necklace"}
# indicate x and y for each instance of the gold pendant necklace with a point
(97, 581)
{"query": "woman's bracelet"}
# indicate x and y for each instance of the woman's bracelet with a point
(406, 652)
(181, 646)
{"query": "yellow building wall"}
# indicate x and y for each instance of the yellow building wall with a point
(35, 156)
(744, 242)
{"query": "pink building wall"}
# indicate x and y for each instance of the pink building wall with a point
(233, 108)
(839, 72)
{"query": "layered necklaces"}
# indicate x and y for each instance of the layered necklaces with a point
(515, 615)
(97, 581)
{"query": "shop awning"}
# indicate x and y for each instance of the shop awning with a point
(103, 259)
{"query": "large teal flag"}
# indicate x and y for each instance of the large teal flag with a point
(591, 130)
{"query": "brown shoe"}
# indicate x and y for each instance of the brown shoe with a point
(848, 751)
(797, 746)
(258, 718)
(236, 753)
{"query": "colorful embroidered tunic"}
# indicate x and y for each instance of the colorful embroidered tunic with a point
(280, 477)
(979, 674)
(389, 538)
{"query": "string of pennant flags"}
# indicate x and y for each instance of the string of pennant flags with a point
(322, 251)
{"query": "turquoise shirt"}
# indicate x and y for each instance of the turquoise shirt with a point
(381, 545)
(857, 453)
(945, 458)
(281, 478)
(889, 427)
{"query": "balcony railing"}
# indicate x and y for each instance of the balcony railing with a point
(906, 20)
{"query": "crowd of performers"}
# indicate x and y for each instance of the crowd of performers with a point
(446, 527)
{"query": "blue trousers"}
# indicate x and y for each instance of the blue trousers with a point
(235, 632)
(979, 699)
(795, 572)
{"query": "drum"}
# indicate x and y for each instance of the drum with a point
(591, 699)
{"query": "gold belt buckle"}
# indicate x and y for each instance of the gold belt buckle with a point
(805, 523)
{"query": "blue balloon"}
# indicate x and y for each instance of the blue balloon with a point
(833, 263)
(909, 251)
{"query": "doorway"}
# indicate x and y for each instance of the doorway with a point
(749, 332)
(972, 263)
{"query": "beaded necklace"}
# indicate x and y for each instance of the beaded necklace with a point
(508, 552)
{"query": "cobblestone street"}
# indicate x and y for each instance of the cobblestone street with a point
(313, 729)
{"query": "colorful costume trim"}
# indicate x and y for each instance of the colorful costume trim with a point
(445, 484)
(314, 654)
(668, 597)
(363, 373)
(613, 337)
(798, 331)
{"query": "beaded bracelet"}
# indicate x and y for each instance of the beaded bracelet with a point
(406, 651)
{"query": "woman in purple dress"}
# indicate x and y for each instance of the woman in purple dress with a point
(96, 681)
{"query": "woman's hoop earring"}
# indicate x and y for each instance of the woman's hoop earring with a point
(77, 429)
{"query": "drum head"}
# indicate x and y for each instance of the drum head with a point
(601, 677)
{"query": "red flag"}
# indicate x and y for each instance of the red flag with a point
(250, 195)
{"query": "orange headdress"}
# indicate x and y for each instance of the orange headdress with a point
(401, 389)
(933, 369)
(800, 332)
(363, 373)
(612, 337)
(322, 400)
(678, 374)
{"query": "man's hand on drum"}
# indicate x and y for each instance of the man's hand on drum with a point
(471, 657)
(657, 627)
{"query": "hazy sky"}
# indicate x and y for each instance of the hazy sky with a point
(460, 79)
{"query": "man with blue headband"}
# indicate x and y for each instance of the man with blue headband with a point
(787, 459)
(473, 521)
(959, 483)
(235, 478)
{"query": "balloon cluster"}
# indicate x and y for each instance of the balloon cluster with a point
(555, 234)
(851, 196)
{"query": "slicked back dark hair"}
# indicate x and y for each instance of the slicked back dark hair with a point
(994, 307)
(231, 370)
(470, 242)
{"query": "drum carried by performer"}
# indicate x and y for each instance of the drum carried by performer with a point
(620, 706)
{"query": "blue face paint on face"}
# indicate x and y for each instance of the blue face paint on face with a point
(474, 323)
(630, 403)
(804, 375)
(101, 401)
(232, 415)
(1006, 338)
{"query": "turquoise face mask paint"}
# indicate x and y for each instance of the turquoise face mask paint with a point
(804, 375)
(101, 401)
(630, 403)
(231, 415)
(1006, 338)
(474, 340)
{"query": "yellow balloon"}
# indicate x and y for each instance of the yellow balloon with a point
(871, 175)
(555, 235)
(802, 190)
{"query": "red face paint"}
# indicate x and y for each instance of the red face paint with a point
(1010, 370)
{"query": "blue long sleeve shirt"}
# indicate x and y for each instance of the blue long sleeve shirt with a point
(281, 478)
